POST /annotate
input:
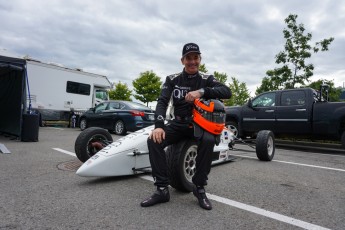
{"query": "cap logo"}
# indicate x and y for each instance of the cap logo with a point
(191, 47)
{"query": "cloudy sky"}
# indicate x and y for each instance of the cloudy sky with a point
(122, 38)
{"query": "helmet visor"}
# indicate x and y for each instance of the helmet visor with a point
(216, 117)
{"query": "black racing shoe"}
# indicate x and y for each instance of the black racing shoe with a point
(200, 193)
(160, 196)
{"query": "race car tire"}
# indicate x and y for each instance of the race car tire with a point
(90, 141)
(265, 145)
(181, 160)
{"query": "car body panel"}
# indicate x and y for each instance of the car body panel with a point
(263, 114)
(106, 114)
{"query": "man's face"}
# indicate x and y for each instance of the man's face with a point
(191, 62)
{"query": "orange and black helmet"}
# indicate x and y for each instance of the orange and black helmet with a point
(209, 115)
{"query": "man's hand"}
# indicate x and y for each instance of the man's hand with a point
(158, 135)
(191, 96)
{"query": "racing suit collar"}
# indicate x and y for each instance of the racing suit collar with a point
(190, 75)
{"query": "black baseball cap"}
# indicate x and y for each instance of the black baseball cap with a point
(190, 48)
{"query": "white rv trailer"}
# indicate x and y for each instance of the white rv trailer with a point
(56, 91)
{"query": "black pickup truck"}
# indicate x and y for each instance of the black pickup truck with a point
(304, 113)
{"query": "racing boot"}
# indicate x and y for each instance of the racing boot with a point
(200, 193)
(160, 196)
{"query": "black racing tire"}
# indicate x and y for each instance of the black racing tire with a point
(265, 145)
(120, 128)
(181, 160)
(343, 140)
(233, 127)
(83, 124)
(90, 141)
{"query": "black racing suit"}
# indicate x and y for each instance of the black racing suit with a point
(176, 87)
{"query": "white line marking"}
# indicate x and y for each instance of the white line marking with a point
(258, 211)
(66, 152)
(294, 163)
(242, 206)
(265, 213)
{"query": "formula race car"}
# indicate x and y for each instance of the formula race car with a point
(129, 154)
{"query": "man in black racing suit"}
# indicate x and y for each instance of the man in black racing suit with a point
(183, 88)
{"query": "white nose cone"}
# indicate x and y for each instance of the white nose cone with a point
(100, 165)
(89, 168)
(119, 158)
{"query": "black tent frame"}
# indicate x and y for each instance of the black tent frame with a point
(13, 96)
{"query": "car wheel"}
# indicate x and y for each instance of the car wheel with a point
(233, 127)
(90, 141)
(83, 124)
(119, 128)
(181, 160)
(265, 145)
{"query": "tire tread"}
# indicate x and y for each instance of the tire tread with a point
(261, 145)
(175, 167)
(80, 146)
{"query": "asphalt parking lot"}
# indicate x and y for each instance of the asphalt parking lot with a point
(40, 190)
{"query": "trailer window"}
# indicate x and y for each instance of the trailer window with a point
(78, 88)
(101, 94)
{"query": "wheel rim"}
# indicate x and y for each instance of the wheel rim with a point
(233, 129)
(119, 126)
(270, 146)
(95, 144)
(83, 124)
(190, 162)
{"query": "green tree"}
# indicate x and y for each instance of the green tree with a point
(240, 93)
(202, 68)
(267, 84)
(120, 92)
(295, 70)
(221, 77)
(333, 92)
(147, 87)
